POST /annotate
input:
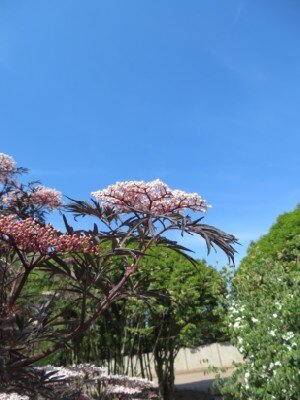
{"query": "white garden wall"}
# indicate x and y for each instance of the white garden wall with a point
(215, 355)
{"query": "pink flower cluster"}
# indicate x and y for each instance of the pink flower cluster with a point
(154, 197)
(12, 198)
(7, 166)
(46, 197)
(34, 237)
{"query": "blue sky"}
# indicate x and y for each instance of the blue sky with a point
(202, 94)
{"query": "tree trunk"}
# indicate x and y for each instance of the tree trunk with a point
(164, 366)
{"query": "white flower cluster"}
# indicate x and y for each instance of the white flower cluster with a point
(7, 166)
(80, 371)
(288, 336)
(122, 389)
(238, 322)
(7, 163)
(12, 396)
(113, 384)
(41, 196)
(133, 379)
(118, 386)
(275, 364)
(46, 197)
(246, 379)
(149, 197)
(12, 198)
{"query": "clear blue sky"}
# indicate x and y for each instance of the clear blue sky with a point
(202, 94)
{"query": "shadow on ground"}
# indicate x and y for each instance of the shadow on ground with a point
(202, 385)
(197, 385)
(186, 394)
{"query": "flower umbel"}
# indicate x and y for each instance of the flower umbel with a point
(154, 197)
(46, 197)
(7, 166)
(7, 163)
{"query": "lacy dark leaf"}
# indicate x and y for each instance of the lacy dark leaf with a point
(214, 236)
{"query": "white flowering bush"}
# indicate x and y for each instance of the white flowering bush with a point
(264, 322)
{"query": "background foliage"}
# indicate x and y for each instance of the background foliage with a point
(182, 309)
(286, 227)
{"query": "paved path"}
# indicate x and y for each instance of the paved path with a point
(198, 380)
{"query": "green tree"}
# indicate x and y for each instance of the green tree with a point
(286, 227)
(188, 317)
(176, 304)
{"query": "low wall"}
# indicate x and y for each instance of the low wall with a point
(213, 355)
(202, 357)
